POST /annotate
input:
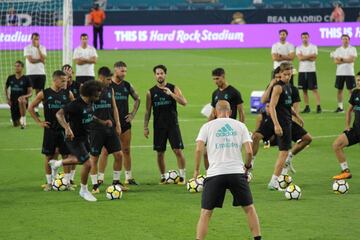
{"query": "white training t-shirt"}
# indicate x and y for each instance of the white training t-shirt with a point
(282, 49)
(224, 138)
(307, 66)
(85, 69)
(34, 68)
(345, 69)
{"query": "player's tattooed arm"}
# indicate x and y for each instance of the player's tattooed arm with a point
(147, 114)
(136, 98)
(60, 116)
(116, 115)
(38, 99)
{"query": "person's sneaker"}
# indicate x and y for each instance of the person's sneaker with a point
(95, 189)
(345, 174)
(73, 184)
(131, 182)
(87, 196)
(69, 187)
(99, 182)
(47, 188)
(318, 109)
(306, 110)
(266, 144)
(43, 185)
(123, 188)
(181, 181)
(273, 187)
(339, 110)
(162, 181)
(22, 126)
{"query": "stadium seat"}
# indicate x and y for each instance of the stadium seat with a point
(296, 4)
(218, 6)
(124, 6)
(353, 3)
(163, 6)
(278, 4)
(143, 6)
(314, 4)
(182, 6)
(198, 6)
(86, 7)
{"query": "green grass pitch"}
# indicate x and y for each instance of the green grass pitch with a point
(151, 211)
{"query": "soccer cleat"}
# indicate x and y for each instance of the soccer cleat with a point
(22, 126)
(87, 196)
(162, 181)
(73, 184)
(289, 167)
(47, 188)
(273, 187)
(95, 189)
(43, 185)
(123, 188)
(266, 144)
(306, 110)
(131, 182)
(181, 181)
(339, 110)
(69, 187)
(345, 174)
(318, 109)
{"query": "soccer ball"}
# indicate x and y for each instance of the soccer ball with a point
(340, 187)
(196, 184)
(171, 176)
(113, 192)
(284, 181)
(293, 192)
(59, 184)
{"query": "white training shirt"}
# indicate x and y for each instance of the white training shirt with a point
(224, 138)
(282, 49)
(345, 69)
(85, 69)
(34, 68)
(307, 66)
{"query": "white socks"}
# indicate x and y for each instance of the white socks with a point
(48, 178)
(83, 188)
(273, 181)
(93, 179)
(341, 105)
(67, 178)
(72, 175)
(116, 175)
(23, 120)
(128, 175)
(182, 173)
(344, 166)
(289, 157)
(101, 176)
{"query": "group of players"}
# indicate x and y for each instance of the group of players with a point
(87, 119)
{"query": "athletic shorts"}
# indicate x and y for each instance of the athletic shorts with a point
(54, 139)
(79, 147)
(295, 95)
(37, 81)
(284, 141)
(161, 135)
(215, 189)
(353, 136)
(125, 126)
(266, 129)
(340, 81)
(15, 110)
(104, 138)
(297, 132)
(83, 79)
(307, 80)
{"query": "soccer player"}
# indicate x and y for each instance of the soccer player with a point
(351, 135)
(344, 58)
(122, 90)
(76, 118)
(85, 57)
(281, 112)
(307, 54)
(20, 91)
(105, 135)
(228, 93)
(224, 138)
(72, 85)
(163, 98)
(35, 55)
(53, 98)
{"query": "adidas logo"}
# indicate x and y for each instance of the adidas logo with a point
(226, 131)
(357, 99)
(155, 95)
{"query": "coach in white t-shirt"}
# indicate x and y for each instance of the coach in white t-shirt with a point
(85, 57)
(307, 54)
(35, 55)
(344, 57)
(224, 138)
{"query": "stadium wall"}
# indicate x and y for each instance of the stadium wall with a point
(187, 36)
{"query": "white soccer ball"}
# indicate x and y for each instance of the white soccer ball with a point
(196, 184)
(59, 183)
(171, 176)
(284, 181)
(113, 192)
(340, 187)
(293, 192)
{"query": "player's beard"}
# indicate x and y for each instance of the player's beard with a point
(160, 80)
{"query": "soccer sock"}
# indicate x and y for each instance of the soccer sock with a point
(128, 175)
(22, 120)
(273, 180)
(67, 178)
(341, 105)
(284, 171)
(58, 163)
(116, 175)
(48, 178)
(84, 187)
(72, 177)
(344, 166)
(36, 109)
(101, 176)
(289, 157)
(93, 179)
(182, 173)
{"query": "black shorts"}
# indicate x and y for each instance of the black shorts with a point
(79, 147)
(54, 139)
(104, 138)
(215, 189)
(83, 79)
(307, 80)
(295, 95)
(297, 132)
(340, 81)
(284, 142)
(125, 126)
(161, 135)
(15, 110)
(37, 81)
(266, 129)
(353, 136)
